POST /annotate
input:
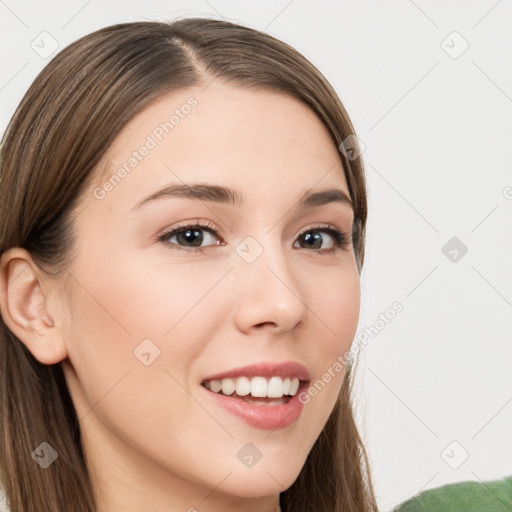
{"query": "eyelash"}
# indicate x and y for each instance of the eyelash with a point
(341, 239)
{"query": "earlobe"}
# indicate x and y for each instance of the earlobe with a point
(23, 306)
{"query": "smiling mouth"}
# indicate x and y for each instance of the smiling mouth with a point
(256, 390)
(269, 401)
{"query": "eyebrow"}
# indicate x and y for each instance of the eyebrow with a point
(229, 196)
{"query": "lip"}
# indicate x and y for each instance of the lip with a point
(264, 417)
(265, 369)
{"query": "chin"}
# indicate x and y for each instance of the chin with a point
(255, 483)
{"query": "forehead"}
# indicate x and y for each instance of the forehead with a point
(262, 142)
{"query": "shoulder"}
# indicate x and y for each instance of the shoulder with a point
(491, 496)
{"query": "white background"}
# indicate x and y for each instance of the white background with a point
(437, 128)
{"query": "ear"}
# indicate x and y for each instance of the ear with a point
(23, 305)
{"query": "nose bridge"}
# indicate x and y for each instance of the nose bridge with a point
(259, 256)
(269, 290)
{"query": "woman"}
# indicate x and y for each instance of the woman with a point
(183, 227)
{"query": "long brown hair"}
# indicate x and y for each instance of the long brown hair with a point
(61, 129)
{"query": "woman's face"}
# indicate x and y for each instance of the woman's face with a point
(147, 320)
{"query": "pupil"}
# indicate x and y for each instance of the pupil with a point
(317, 237)
(188, 237)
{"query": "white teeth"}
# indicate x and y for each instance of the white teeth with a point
(243, 386)
(215, 385)
(294, 386)
(275, 387)
(286, 386)
(259, 387)
(228, 386)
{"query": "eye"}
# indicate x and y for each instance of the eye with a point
(190, 234)
(313, 238)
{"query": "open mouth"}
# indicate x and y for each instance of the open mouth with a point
(268, 403)
(256, 390)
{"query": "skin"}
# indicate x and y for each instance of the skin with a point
(152, 440)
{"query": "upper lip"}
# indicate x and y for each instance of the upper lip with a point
(265, 369)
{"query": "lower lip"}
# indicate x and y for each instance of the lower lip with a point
(265, 417)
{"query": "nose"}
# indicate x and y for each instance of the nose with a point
(267, 291)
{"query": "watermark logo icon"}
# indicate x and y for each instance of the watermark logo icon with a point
(352, 147)
(454, 249)
(455, 455)
(44, 455)
(249, 455)
(454, 45)
(249, 249)
(146, 352)
(44, 45)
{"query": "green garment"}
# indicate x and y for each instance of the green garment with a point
(492, 496)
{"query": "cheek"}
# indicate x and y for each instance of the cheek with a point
(113, 387)
(128, 300)
(333, 298)
(157, 297)
(130, 314)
